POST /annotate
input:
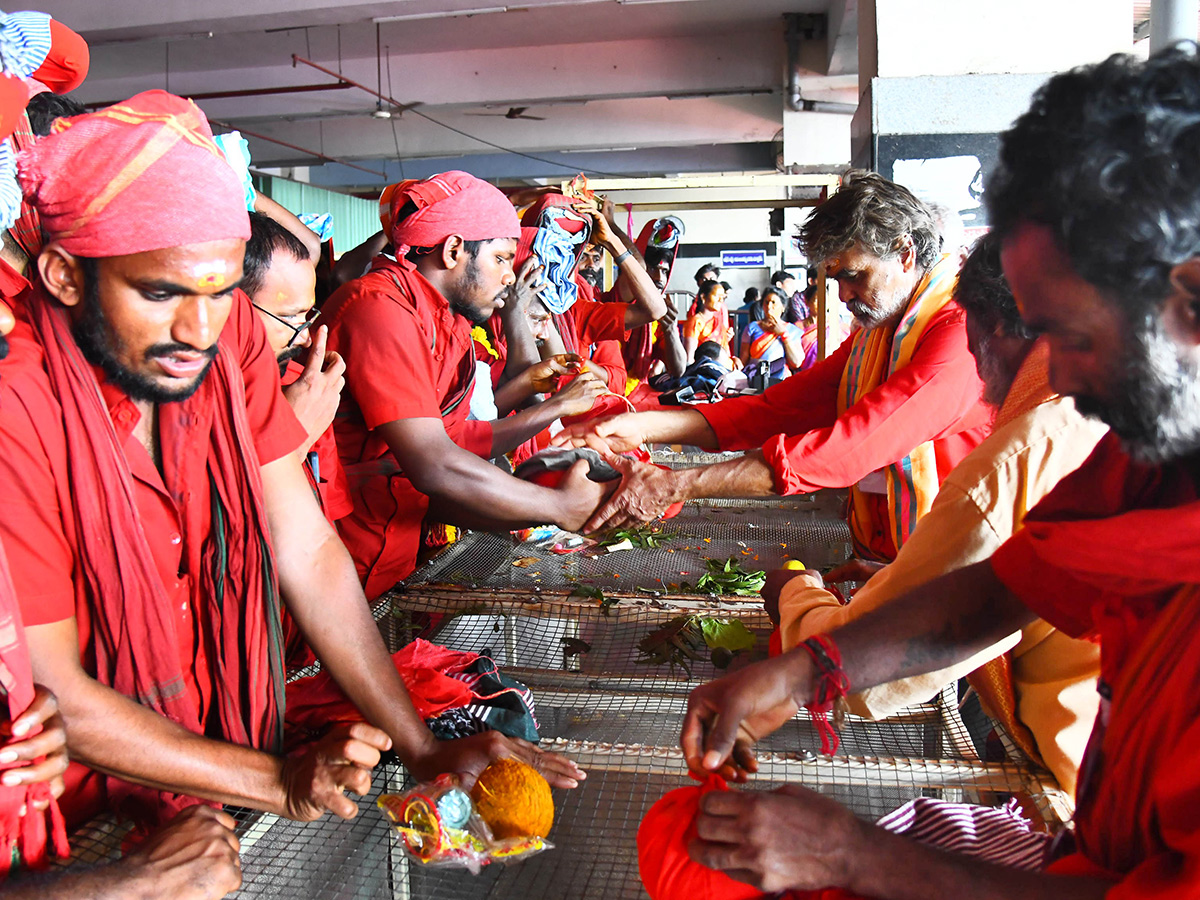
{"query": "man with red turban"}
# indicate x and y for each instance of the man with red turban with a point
(404, 330)
(1100, 170)
(198, 849)
(159, 513)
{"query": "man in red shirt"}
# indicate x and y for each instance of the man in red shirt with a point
(158, 513)
(279, 277)
(1096, 200)
(889, 414)
(404, 330)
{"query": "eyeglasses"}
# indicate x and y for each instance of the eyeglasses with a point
(310, 318)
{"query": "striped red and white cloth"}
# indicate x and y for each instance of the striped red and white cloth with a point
(1000, 835)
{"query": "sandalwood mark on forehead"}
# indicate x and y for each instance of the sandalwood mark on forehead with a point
(210, 275)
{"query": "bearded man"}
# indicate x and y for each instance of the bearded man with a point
(158, 512)
(888, 414)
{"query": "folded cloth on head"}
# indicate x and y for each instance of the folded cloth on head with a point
(320, 224)
(236, 150)
(557, 250)
(25, 41)
(141, 175)
(447, 204)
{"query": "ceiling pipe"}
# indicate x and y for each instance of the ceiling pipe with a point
(248, 92)
(304, 150)
(806, 27)
(308, 62)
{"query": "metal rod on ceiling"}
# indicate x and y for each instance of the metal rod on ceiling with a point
(248, 92)
(304, 150)
(296, 58)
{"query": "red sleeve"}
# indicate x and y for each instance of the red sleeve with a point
(31, 527)
(796, 405)
(596, 322)
(927, 399)
(475, 437)
(389, 362)
(277, 431)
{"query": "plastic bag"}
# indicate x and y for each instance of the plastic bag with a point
(438, 826)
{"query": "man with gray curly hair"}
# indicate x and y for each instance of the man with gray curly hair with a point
(888, 414)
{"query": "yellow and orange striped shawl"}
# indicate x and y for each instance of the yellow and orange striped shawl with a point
(875, 355)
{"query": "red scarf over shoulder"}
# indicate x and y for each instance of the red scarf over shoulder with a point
(134, 638)
(1112, 552)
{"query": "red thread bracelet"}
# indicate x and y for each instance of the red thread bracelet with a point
(832, 685)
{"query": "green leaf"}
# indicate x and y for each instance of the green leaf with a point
(732, 634)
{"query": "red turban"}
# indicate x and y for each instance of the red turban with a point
(141, 175)
(446, 204)
(667, 871)
(66, 65)
(532, 217)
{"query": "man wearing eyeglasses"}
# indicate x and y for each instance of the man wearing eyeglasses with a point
(280, 279)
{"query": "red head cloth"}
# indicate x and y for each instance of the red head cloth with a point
(66, 64)
(532, 217)
(141, 175)
(446, 204)
(13, 97)
(524, 246)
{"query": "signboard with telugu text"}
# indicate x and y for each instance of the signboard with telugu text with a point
(743, 259)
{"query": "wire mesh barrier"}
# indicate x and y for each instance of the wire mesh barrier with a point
(611, 644)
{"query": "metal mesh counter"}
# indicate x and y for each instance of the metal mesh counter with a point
(598, 699)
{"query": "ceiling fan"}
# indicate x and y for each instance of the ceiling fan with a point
(514, 112)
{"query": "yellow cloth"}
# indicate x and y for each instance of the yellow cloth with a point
(912, 482)
(1038, 439)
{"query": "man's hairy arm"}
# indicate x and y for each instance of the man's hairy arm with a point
(931, 627)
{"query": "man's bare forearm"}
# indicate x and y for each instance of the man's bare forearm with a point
(749, 476)
(683, 426)
(931, 627)
(328, 604)
(512, 431)
(898, 868)
(112, 734)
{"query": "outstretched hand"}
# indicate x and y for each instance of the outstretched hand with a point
(617, 434)
(644, 494)
(544, 375)
(194, 857)
(579, 395)
(316, 781)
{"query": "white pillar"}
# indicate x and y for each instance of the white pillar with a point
(1171, 21)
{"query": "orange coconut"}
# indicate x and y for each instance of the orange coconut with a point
(514, 799)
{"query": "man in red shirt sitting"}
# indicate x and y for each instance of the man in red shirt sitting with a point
(888, 415)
